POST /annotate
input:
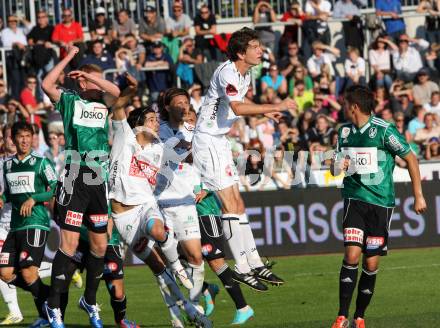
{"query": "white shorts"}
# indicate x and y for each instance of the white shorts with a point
(212, 156)
(3, 234)
(131, 226)
(182, 221)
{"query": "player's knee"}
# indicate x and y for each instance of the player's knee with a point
(216, 264)
(156, 230)
(29, 274)
(195, 259)
(371, 267)
(351, 258)
(99, 249)
(69, 244)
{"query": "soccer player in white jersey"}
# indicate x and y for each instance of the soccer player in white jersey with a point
(174, 189)
(135, 160)
(224, 103)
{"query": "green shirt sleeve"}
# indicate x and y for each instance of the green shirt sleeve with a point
(67, 97)
(50, 180)
(395, 143)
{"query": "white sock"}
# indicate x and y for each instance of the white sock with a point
(197, 272)
(169, 249)
(232, 232)
(10, 297)
(253, 258)
(45, 270)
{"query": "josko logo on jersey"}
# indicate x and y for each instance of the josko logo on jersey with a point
(231, 90)
(364, 159)
(143, 169)
(92, 115)
(21, 182)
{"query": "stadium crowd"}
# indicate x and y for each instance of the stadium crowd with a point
(402, 71)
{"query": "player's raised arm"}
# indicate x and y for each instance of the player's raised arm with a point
(49, 84)
(124, 98)
(111, 90)
(243, 109)
(414, 173)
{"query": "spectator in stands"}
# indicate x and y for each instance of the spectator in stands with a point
(316, 25)
(99, 56)
(319, 138)
(387, 115)
(28, 99)
(322, 59)
(432, 22)
(423, 89)
(400, 102)
(382, 99)
(327, 105)
(399, 120)
(178, 24)
(303, 97)
(406, 58)
(390, 10)
(353, 33)
(281, 172)
(188, 56)
(433, 149)
(429, 131)
(158, 81)
(38, 144)
(253, 173)
(13, 35)
(68, 33)
(264, 13)
(418, 121)
(299, 74)
(290, 138)
(380, 62)
(294, 17)
(139, 54)
(3, 97)
(16, 111)
(354, 68)
(55, 152)
(152, 28)
(196, 97)
(274, 80)
(123, 25)
(432, 107)
(101, 27)
(8, 147)
(270, 96)
(291, 61)
(205, 26)
(43, 55)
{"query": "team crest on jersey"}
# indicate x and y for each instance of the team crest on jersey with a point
(143, 169)
(345, 132)
(372, 132)
(32, 161)
(231, 90)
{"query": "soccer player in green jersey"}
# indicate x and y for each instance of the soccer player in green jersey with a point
(366, 150)
(29, 181)
(82, 193)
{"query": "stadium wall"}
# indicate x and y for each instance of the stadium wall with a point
(308, 221)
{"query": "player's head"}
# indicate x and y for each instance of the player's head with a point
(173, 104)
(86, 85)
(359, 100)
(144, 120)
(22, 134)
(244, 45)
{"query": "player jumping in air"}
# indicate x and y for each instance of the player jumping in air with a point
(224, 103)
(29, 181)
(366, 150)
(82, 192)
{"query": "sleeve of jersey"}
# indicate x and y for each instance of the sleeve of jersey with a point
(65, 102)
(121, 128)
(395, 143)
(229, 86)
(50, 179)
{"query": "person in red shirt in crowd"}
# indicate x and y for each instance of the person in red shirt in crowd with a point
(29, 101)
(294, 16)
(69, 33)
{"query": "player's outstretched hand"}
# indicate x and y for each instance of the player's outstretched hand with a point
(288, 104)
(26, 207)
(72, 51)
(419, 205)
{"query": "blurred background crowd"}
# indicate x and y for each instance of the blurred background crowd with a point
(300, 60)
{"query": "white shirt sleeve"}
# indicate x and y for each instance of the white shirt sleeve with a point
(121, 129)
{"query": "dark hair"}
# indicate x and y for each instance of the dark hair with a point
(89, 68)
(21, 126)
(239, 42)
(165, 100)
(137, 116)
(361, 96)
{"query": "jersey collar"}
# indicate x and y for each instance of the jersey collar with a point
(365, 127)
(16, 160)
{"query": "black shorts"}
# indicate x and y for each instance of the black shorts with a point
(211, 237)
(367, 226)
(24, 248)
(113, 260)
(79, 201)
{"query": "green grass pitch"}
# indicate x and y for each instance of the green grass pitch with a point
(407, 295)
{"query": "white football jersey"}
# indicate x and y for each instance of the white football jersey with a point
(133, 169)
(227, 84)
(174, 186)
(5, 212)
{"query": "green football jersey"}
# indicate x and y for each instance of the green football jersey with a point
(85, 127)
(371, 150)
(30, 177)
(210, 205)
